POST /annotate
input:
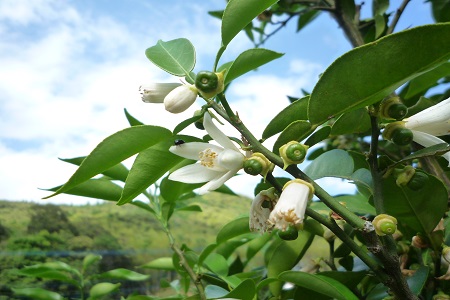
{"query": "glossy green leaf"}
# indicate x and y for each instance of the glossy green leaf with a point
(367, 74)
(113, 150)
(118, 172)
(162, 263)
(95, 188)
(285, 256)
(425, 81)
(232, 229)
(249, 60)
(102, 289)
(357, 121)
(238, 13)
(132, 120)
(321, 284)
(318, 136)
(89, 260)
(296, 131)
(412, 208)
(217, 264)
(150, 165)
(37, 294)
(297, 110)
(245, 290)
(334, 163)
(176, 57)
(123, 274)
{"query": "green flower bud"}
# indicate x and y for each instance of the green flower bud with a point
(209, 83)
(293, 153)
(199, 122)
(384, 224)
(393, 108)
(290, 234)
(398, 134)
(418, 180)
(258, 164)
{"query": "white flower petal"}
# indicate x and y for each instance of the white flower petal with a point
(156, 92)
(230, 159)
(434, 120)
(259, 213)
(194, 173)
(216, 134)
(180, 99)
(193, 149)
(217, 182)
(428, 140)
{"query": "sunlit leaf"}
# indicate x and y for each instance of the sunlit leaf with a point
(37, 294)
(232, 229)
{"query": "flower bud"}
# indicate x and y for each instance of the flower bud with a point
(418, 180)
(199, 122)
(209, 83)
(393, 108)
(258, 164)
(398, 134)
(180, 99)
(419, 241)
(293, 153)
(290, 234)
(156, 92)
(384, 224)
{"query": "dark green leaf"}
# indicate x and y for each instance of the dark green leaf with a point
(245, 290)
(425, 81)
(132, 120)
(367, 74)
(172, 191)
(249, 60)
(176, 57)
(306, 18)
(119, 171)
(357, 121)
(95, 188)
(113, 150)
(334, 163)
(238, 13)
(298, 110)
(441, 10)
(232, 229)
(318, 136)
(186, 123)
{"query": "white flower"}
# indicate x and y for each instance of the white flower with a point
(156, 92)
(260, 210)
(215, 164)
(429, 123)
(290, 209)
(180, 98)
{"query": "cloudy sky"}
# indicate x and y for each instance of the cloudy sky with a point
(69, 68)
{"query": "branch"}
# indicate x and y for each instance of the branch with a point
(397, 16)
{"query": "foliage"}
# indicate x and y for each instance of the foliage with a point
(393, 178)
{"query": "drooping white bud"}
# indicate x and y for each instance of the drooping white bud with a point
(180, 99)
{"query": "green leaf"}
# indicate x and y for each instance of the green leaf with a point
(334, 163)
(217, 264)
(417, 281)
(176, 57)
(119, 171)
(232, 229)
(150, 165)
(306, 18)
(425, 81)
(102, 289)
(238, 13)
(412, 208)
(132, 120)
(95, 188)
(123, 274)
(285, 256)
(380, 25)
(296, 131)
(162, 263)
(89, 260)
(318, 136)
(37, 294)
(186, 123)
(248, 61)
(172, 191)
(113, 150)
(441, 10)
(367, 74)
(321, 284)
(349, 279)
(380, 7)
(245, 290)
(214, 292)
(297, 110)
(357, 121)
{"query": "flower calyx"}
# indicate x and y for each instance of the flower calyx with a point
(393, 108)
(384, 224)
(209, 83)
(290, 234)
(292, 153)
(397, 133)
(257, 163)
(404, 175)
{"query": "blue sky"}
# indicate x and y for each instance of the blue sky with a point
(69, 68)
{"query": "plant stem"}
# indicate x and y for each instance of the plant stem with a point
(373, 163)
(348, 25)
(397, 16)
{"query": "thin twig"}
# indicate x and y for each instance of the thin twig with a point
(397, 16)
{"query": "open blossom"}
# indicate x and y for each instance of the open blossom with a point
(290, 208)
(156, 92)
(216, 164)
(260, 210)
(429, 123)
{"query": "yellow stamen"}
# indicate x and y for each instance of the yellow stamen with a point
(207, 157)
